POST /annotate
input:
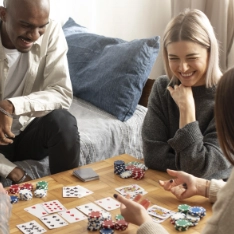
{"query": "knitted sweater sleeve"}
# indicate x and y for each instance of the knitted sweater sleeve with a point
(188, 149)
(151, 228)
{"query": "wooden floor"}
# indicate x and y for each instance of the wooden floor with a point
(103, 188)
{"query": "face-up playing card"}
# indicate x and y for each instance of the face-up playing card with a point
(36, 210)
(76, 191)
(53, 221)
(31, 227)
(53, 206)
(72, 215)
(132, 190)
(159, 212)
(88, 208)
(108, 203)
(157, 220)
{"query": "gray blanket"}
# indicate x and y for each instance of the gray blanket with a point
(101, 136)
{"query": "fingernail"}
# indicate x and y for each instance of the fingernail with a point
(171, 181)
(115, 196)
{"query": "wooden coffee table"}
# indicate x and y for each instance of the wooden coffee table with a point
(102, 188)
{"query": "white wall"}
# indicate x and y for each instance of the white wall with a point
(126, 19)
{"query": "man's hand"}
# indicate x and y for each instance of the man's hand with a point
(16, 174)
(6, 123)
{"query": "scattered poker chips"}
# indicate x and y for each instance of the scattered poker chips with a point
(25, 195)
(119, 167)
(14, 199)
(14, 189)
(42, 185)
(40, 193)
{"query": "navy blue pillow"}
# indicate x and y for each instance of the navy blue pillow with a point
(109, 72)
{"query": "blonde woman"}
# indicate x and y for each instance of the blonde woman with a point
(179, 128)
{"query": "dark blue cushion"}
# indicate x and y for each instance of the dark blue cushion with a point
(109, 72)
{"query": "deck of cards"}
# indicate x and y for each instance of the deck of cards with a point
(132, 190)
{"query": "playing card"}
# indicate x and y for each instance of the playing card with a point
(159, 212)
(53, 206)
(53, 221)
(132, 190)
(157, 220)
(36, 210)
(76, 191)
(87, 208)
(72, 215)
(31, 227)
(108, 203)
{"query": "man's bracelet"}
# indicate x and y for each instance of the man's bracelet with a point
(23, 178)
(5, 112)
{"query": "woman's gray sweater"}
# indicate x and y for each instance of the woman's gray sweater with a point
(193, 148)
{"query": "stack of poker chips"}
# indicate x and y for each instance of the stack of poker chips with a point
(41, 189)
(121, 225)
(94, 221)
(187, 216)
(119, 167)
(25, 194)
(14, 199)
(136, 170)
(138, 173)
(108, 224)
(119, 217)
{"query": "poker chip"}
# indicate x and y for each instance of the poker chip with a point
(42, 185)
(108, 224)
(137, 164)
(14, 189)
(106, 215)
(119, 217)
(25, 195)
(106, 231)
(119, 167)
(197, 211)
(177, 216)
(126, 174)
(14, 199)
(28, 186)
(121, 225)
(40, 193)
(129, 167)
(193, 219)
(184, 208)
(95, 220)
(182, 225)
(138, 173)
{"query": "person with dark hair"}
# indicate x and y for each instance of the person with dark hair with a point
(36, 91)
(223, 209)
(179, 127)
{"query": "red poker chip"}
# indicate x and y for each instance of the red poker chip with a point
(121, 225)
(108, 224)
(130, 167)
(15, 188)
(95, 214)
(27, 186)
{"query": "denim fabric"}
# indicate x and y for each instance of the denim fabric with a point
(109, 72)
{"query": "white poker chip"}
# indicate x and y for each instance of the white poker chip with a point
(40, 193)
(193, 219)
(25, 195)
(126, 174)
(177, 216)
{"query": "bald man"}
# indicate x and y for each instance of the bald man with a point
(35, 91)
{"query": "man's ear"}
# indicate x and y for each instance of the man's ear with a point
(3, 13)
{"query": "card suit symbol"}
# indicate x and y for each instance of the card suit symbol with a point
(43, 213)
(68, 211)
(52, 225)
(57, 219)
(72, 215)
(54, 216)
(77, 218)
(100, 201)
(33, 207)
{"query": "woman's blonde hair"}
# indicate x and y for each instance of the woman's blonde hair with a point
(194, 26)
(224, 114)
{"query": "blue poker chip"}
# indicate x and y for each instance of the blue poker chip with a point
(106, 231)
(14, 199)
